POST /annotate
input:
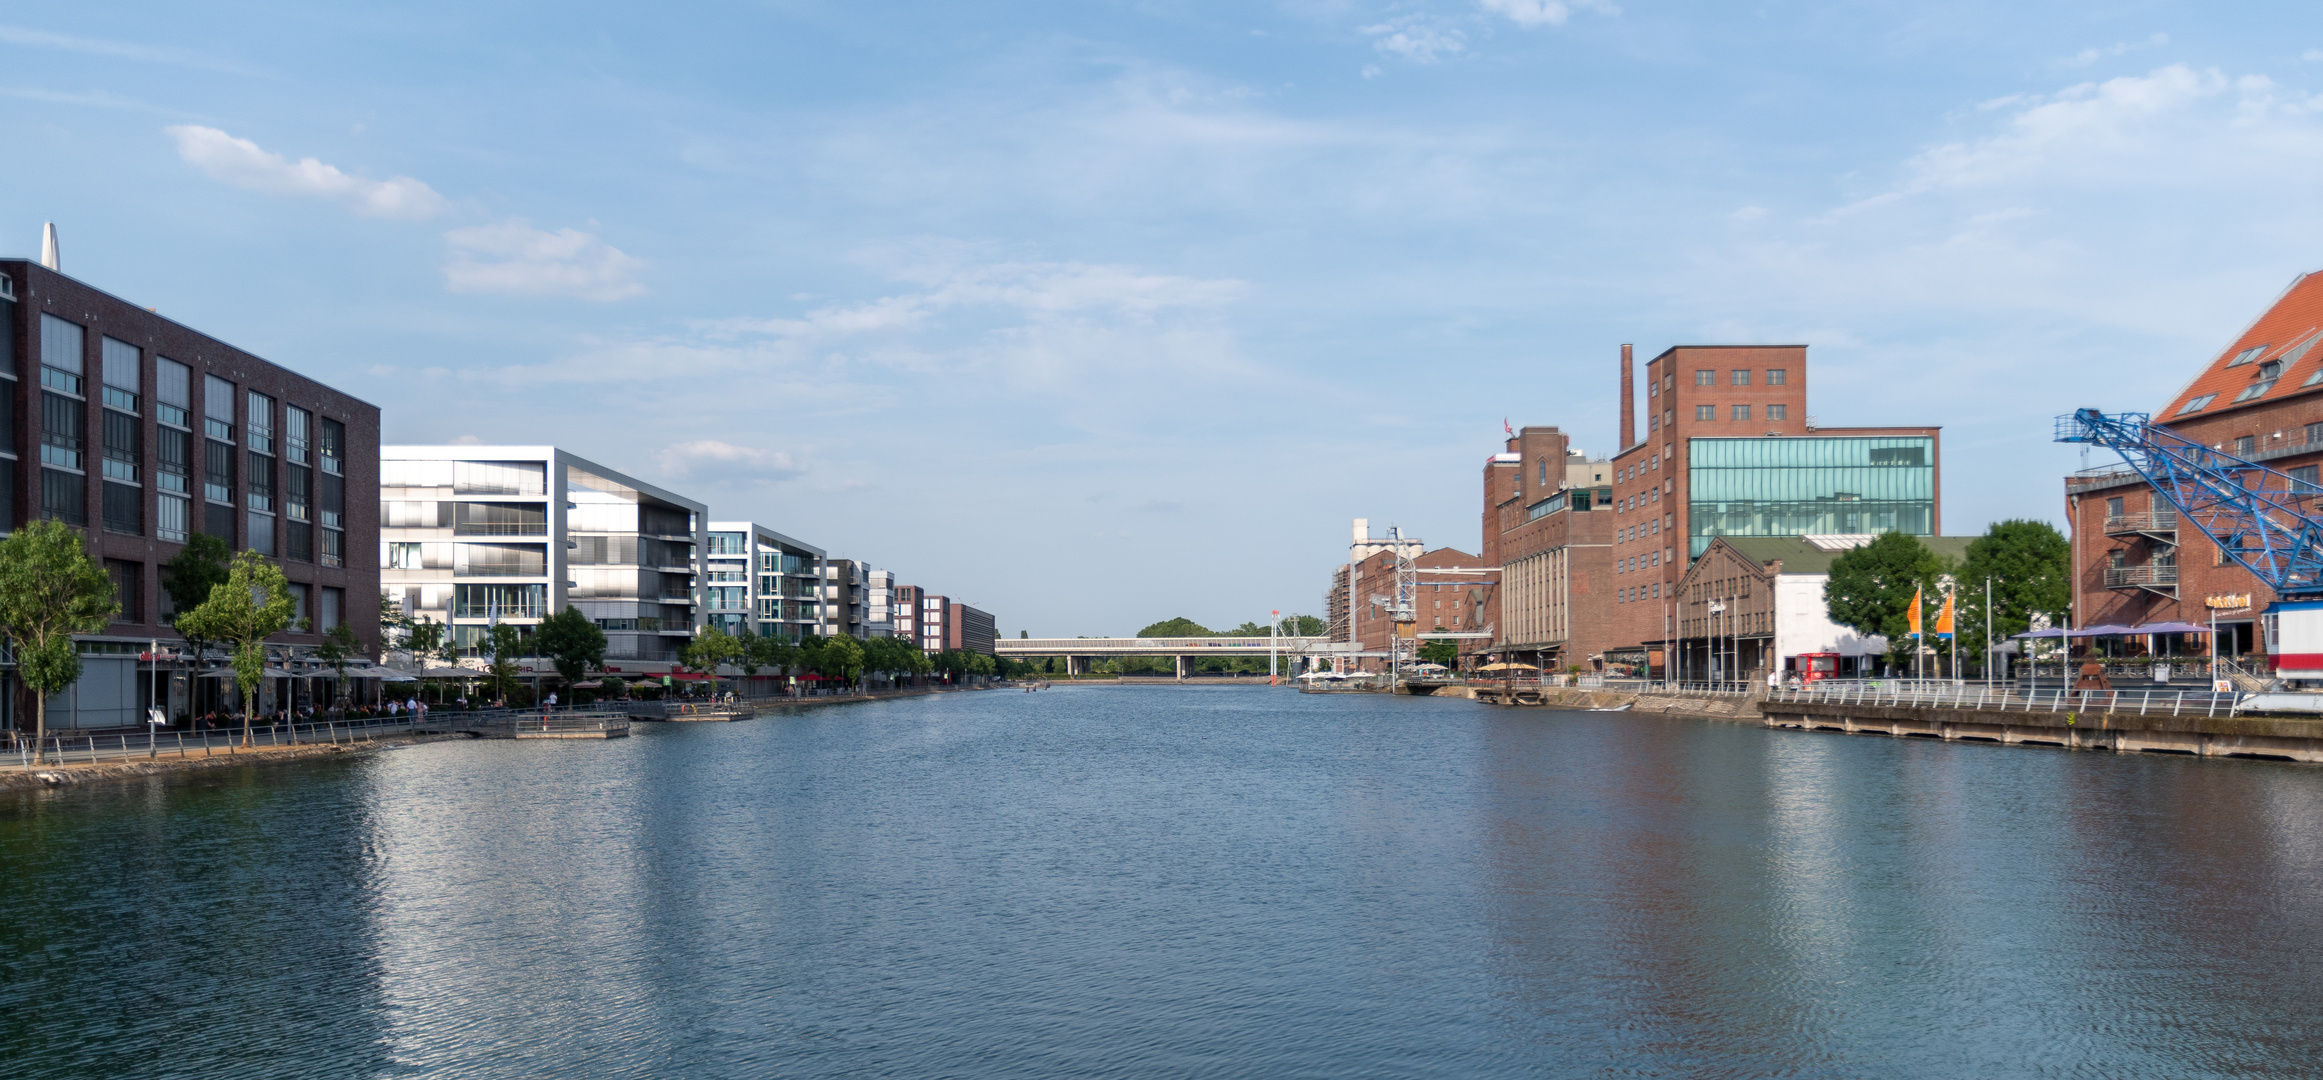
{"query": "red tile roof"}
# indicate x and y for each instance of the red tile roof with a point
(2291, 331)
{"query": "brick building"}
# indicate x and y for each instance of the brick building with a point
(1547, 526)
(1457, 602)
(2262, 400)
(1730, 450)
(142, 431)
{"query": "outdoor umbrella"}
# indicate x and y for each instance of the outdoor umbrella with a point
(2051, 632)
(2172, 628)
(1508, 667)
(2107, 630)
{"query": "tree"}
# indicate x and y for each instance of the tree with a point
(1440, 651)
(842, 659)
(2031, 567)
(425, 637)
(252, 605)
(338, 647)
(710, 648)
(394, 623)
(188, 577)
(50, 590)
(1870, 588)
(506, 643)
(1178, 627)
(774, 651)
(573, 641)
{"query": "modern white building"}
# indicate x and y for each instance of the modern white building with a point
(1771, 611)
(760, 580)
(473, 534)
(879, 602)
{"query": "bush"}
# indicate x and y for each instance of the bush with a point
(615, 688)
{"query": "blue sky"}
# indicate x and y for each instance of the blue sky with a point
(1099, 313)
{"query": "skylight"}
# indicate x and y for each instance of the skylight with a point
(2246, 356)
(2198, 404)
(2253, 390)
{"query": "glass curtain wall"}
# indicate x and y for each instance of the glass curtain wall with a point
(1808, 486)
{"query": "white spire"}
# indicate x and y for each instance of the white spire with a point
(48, 252)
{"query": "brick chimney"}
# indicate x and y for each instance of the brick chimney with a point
(1628, 401)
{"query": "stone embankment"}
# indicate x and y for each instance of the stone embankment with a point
(1695, 706)
(19, 778)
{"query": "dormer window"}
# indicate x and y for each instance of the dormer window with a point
(2255, 389)
(2197, 404)
(2246, 356)
(2271, 369)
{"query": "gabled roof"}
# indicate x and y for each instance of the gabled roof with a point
(2291, 332)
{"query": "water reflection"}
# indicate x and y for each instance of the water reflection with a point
(1163, 882)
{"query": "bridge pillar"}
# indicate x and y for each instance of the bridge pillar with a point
(1182, 665)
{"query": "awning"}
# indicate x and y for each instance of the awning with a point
(386, 675)
(2103, 630)
(2052, 632)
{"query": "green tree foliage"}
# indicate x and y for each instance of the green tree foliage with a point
(506, 644)
(425, 638)
(709, 649)
(776, 652)
(1446, 653)
(841, 658)
(252, 605)
(1870, 589)
(572, 641)
(1178, 627)
(2031, 567)
(338, 648)
(1304, 626)
(50, 590)
(394, 623)
(188, 577)
(615, 688)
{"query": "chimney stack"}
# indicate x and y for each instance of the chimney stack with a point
(48, 252)
(1628, 401)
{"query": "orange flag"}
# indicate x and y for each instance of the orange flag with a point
(1917, 600)
(1944, 619)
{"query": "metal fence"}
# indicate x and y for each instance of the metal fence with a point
(1947, 695)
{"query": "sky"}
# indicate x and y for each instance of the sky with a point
(1094, 314)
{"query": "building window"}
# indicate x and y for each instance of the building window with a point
(124, 509)
(171, 518)
(218, 521)
(124, 437)
(1741, 376)
(298, 541)
(297, 432)
(125, 577)
(1705, 377)
(61, 499)
(2198, 404)
(173, 392)
(2244, 445)
(1775, 376)
(261, 479)
(262, 533)
(1544, 472)
(260, 421)
(61, 347)
(334, 610)
(499, 478)
(61, 420)
(334, 548)
(1778, 412)
(2246, 356)
(218, 408)
(2113, 507)
(1653, 423)
(297, 492)
(334, 447)
(403, 556)
(2303, 480)
(502, 601)
(218, 472)
(1705, 412)
(1742, 412)
(302, 607)
(2256, 389)
(122, 373)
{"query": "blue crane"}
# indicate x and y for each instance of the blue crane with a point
(2261, 518)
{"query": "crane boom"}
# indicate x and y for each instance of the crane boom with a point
(2260, 518)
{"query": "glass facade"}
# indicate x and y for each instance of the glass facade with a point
(1811, 485)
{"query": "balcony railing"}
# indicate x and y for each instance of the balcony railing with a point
(2148, 521)
(2139, 577)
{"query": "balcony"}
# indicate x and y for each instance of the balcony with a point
(2161, 579)
(2161, 524)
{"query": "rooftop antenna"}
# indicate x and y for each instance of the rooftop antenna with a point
(48, 252)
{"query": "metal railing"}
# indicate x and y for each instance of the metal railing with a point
(2144, 521)
(62, 748)
(2125, 577)
(1941, 695)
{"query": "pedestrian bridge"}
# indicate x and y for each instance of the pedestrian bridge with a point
(1164, 646)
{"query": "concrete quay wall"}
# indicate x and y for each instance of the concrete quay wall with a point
(2267, 737)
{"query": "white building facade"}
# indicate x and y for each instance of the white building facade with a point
(762, 581)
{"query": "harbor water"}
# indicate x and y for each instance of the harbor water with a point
(1173, 882)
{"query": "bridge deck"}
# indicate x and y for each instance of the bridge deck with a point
(1164, 646)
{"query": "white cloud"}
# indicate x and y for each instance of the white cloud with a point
(726, 459)
(245, 164)
(1038, 289)
(2089, 56)
(2311, 56)
(513, 258)
(1413, 39)
(124, 50)
(1544, 12)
